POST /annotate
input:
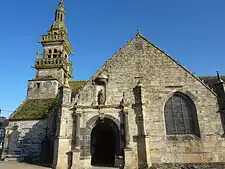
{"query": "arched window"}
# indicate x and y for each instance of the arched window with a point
(181, 116)
(55, 50)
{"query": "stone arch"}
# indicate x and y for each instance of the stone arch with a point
(91, 122)
(182, 92)
(86, 149)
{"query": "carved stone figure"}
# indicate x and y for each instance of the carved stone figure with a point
(101, 98)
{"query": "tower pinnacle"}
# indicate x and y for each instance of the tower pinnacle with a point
(60, 12)
(219, 80)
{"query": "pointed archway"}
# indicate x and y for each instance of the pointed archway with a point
(105, 140)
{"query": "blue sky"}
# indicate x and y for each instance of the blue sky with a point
(192, 31)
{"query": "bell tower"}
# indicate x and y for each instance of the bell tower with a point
(52, 63)
(56, 50)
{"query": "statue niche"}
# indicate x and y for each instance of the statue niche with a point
(100, 86)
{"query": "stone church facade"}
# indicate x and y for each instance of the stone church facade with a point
(141, 109)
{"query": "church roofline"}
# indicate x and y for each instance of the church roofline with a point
(197, 78)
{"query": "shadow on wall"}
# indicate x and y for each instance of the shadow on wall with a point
(222, 118)
(29, 144)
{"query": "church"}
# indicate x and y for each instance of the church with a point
(141, 109)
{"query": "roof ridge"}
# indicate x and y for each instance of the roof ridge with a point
(210, 76)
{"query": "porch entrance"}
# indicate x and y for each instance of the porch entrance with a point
(104, 143)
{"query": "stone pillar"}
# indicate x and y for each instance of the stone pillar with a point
(63, 141)
(143, 143)
(148, 150)
(76, 160)
(77, 136)
(126, 129)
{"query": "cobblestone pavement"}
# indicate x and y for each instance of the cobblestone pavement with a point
(16, 165)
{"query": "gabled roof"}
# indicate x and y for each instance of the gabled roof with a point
(141, 36)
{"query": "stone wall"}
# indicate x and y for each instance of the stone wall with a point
(57, 73)
(24, 140)
(42, 89)
(161, 76)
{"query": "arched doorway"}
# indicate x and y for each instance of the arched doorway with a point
(105, 141)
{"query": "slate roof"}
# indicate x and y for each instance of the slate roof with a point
(211, 80)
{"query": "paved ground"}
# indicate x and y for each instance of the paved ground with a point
(103, 168)
(16, 165)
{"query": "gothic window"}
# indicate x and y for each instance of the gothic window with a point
(181, 116)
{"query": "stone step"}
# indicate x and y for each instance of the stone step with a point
(13, 158)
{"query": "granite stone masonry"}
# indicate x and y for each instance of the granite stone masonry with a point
(141, 109)
(24, 140)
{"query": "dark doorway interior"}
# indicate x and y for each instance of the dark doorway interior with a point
(103, 144)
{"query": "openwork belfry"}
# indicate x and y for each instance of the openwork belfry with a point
(141, 109)
(181, 116)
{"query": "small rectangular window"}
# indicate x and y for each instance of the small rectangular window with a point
(38, 85)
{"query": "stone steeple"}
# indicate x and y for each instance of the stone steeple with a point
(53, 62)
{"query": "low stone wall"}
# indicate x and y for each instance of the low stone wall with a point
(24, 140)
(188, 166)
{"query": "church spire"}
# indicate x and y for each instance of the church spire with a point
(60, 12)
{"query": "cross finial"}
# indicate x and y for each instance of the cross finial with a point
(138, 32)
(61, 3)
